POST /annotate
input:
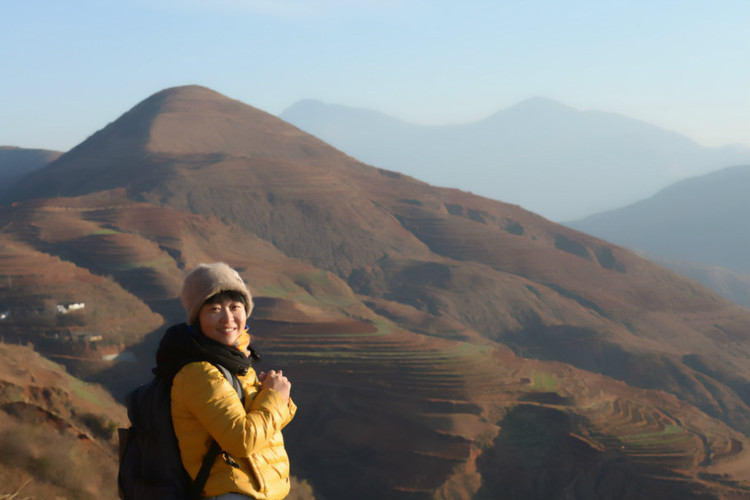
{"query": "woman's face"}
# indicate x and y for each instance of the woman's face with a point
(223, 321)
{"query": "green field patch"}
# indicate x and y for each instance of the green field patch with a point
(383, 326)
(545, 381)
(277, 291)
(81, 389)
(329, 355)
(431, 359)
(382, 329)
(295, 293)
(158, 263)
(670, 434)
(12, 393)
(337, 301)
(337, 335)
(103, 232)
(323, 335)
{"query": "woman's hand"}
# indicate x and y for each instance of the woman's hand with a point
(277, 381)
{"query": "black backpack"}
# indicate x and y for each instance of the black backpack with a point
(150, 463)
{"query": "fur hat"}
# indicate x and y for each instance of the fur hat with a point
(207, 280)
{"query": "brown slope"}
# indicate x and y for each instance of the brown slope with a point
(33, 283)
(138, 149)
(494, 267)
(57, 436)
(585, 302)
(362, 377)
(143, 247)
(401, 416)
(382, 231)
(445, 264)
(107, 239)
(368, 373)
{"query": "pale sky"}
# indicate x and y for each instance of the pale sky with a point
(69, 67)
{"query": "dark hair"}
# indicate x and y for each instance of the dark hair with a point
(223, 295)
(220, 297)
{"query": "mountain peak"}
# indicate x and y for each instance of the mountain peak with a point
(179, 122)
(541, 102)
(197, 120)
(536, 107)
(188, 119)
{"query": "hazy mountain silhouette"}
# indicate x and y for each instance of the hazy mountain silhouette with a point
(733, 285)
(701, 220)
(547, 157)
(16, 162)
(441, 344)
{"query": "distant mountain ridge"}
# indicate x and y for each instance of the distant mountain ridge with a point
(16, 162)
(441, 344)
(704, 220)
(540, 154)
(733, 285)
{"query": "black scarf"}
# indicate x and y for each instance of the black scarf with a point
(183, 344)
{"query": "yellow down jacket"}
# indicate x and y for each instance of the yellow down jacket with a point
(204, 405)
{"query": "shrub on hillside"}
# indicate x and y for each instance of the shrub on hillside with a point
(76, 466)
(300, 490)
(99, 426)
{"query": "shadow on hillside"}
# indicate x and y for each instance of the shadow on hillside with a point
(122, 377)
(687, 377)
(537, 456)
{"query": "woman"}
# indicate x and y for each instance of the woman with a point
(205, 406)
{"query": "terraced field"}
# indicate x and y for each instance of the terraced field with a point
(393, 306)
(435, 404)
(32, 283)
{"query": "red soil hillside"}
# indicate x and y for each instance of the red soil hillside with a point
(403, 415)
(33, 283)
(57, 434)
(403, 313)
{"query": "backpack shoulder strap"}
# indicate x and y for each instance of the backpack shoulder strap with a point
(232, 378)
(214, 449)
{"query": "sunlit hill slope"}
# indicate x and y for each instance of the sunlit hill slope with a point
(440, 344)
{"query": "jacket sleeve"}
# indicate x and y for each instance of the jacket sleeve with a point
(218, 409)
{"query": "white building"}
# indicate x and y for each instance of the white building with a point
(66, 308)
